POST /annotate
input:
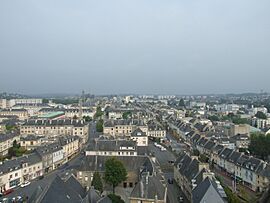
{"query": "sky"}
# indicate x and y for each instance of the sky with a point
(134, 46)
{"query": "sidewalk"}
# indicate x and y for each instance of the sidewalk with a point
(242, 191)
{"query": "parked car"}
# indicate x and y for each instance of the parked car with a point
(24, 184)
(180, 199)
(17, 199)
(170, 180)
(41, 177)
(8, 192)
(4, 200)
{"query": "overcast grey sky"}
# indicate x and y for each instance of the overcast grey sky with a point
(134, 46)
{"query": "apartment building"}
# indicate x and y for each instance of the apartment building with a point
(6, 142)
(96, 163)
(5, 103)
(16, 171)
(69, 113)
(22, 114)
(190, 173)
(52, 156)
(30, 142)
(149, 189)
(139, 137)
(155, 130)
(53, 128)
(249, 171)
(112, 147)
(123, 127)
(71, 146)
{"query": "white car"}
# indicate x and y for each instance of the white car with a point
(26, 183)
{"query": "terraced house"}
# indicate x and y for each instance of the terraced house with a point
(123, 127)
(6, 142)
(16, 171)
(195, 179)
(22, 114)
(250, 171)
(56, 127)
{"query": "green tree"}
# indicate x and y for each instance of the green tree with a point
(182, 103)
(261, 115)
(259, 145)
(45, 101)
(87, 118)
(99, 125)
(232, 198)
(115, 198)
(97, 182)
(213, 118)
(99, 112)
(10, 127)
(126, 115)
(115, 172)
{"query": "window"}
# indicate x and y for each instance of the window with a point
(10, 176)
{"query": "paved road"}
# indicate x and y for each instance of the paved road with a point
(62, 171)
(174, 192)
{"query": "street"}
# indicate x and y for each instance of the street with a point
(174, 192)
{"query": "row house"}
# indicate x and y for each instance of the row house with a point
(123, 127)
(71, 146)
(56, 128)
(250, 171)
(189, 173)
(30, 142)
(22, 114)
(134, 165)
(16, 171)
(155, 130)
(69, 113)
(112, 147)
(6, 142)
(52, 156)
(139, 137)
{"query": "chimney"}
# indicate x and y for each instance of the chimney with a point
(210, 175)
(142, 189)
(203, 165)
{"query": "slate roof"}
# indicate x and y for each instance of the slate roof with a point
(9, 136)
(31, 138)
(111, 145)
(218, 148)
(60, 191)
(112, 123)
(206, 192)
(76, 186)
(225, 153)
(138, 133)
(48, 149)
(233, 157)
(209, 145)
(16, 164)
(132, 163)
(149, 188)
(195, 138)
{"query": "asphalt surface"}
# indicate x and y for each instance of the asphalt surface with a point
(63, 170)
